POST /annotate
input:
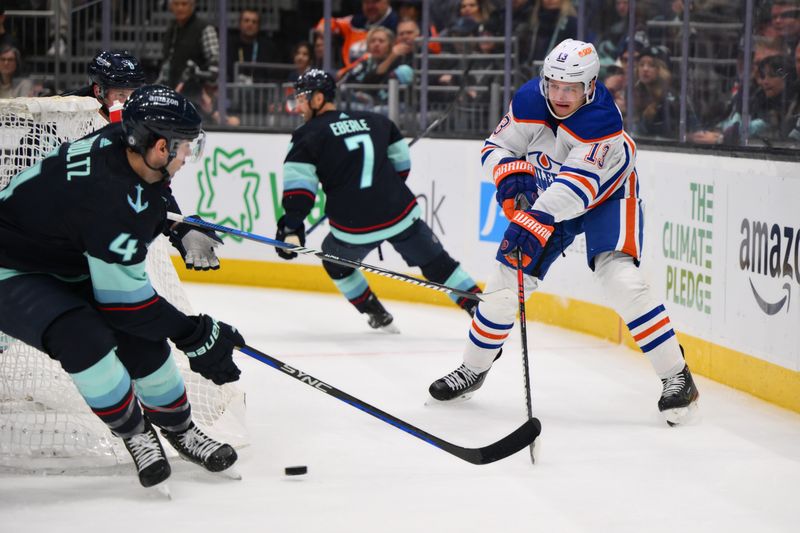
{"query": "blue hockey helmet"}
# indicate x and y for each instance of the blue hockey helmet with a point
(155, 112)
(116, 70)
(314, 80)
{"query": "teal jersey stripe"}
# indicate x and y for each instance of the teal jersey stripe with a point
(105, 383)
(459, 279)
(400, 155)
(353, 285)
(162, 387)
(115, 283)
(6, 273)
(300, 176)
(380, 235)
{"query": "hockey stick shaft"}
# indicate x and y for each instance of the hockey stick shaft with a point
(502, 294)
(523, 329)
(508, 445)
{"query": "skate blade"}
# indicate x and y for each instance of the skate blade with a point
(391, 329)
(162, 489)
(680, 415)
(458, 399)
(230, 473)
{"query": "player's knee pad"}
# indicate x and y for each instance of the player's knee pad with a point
(141, 356)
(623, 283)
(337, 271)
(78, 339)
(440, 267)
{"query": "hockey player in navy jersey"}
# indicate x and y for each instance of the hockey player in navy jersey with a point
(113, 77)
(74, 233)
(361, 161)
(563, 165)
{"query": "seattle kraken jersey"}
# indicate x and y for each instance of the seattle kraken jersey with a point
(83, 211)
(580, 161)
(361, 160)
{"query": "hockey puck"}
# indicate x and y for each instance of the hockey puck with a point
(295, 470)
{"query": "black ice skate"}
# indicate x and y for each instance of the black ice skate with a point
(148, 456)
(197, 447)
(459, 384)
(678, 397)
(377, 316)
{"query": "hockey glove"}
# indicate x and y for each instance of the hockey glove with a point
(196, 246)
(528, 231)
(514, 178)
(291, 230)
(210, 348)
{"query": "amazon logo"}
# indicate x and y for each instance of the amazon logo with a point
(770, 252)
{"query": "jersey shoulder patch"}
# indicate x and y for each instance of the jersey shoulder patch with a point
(599, 120)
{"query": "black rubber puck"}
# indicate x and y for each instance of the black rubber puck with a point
(295, 470)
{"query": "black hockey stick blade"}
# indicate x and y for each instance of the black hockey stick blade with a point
(508, 445)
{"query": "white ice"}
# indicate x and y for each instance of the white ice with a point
(608, 461)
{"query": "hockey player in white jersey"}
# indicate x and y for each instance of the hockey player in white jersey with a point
(562, 147)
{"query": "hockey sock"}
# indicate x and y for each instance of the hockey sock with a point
(630, 295)
(355, 288)
(107, 389)
(163, 396)
(445, 270)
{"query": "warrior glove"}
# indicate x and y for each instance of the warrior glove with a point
(512, 179)
(529, 231)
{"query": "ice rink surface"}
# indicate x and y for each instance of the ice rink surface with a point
(608, 461)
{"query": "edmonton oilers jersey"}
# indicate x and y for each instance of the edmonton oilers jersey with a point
(82, 201)
(361, 161)
(579, 162)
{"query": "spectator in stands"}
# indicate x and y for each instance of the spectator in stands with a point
(774, 107)
(412, 9)
(318, 40)
(797, 60)
(656, 107)
(12, 85)
(302, 59)
(462, 27)
(785, 15)
(377, 66)
(551, 22)
(249, 45)
(190, 51)
(444, 13)
(407, 31)
(5, 37)
(477, 10)
(614, 80)
(353, 29)
(640, 42)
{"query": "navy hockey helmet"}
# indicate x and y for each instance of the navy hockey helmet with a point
(316, 80)
(118, 70)
(155, 112)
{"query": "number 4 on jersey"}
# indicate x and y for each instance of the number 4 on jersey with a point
(364, 140)
(119, 246)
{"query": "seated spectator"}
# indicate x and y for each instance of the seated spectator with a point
(407, 31)
(614, 80)
(774, 108)
(353, 29)
(412, 10)
(248, 44)
(12, 84)
(190, 51)
(477, 10)
(655, 105)
(302, 59)
(208, 107)
(785, 15)
(377, 66)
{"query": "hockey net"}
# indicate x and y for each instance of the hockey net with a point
(45, 425)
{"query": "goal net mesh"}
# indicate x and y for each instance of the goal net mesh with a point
(45, 425)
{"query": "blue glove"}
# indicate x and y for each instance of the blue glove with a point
(529, 231)
(512, 179)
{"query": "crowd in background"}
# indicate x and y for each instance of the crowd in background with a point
(378, 40)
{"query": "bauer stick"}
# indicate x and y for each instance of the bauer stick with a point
(508, 445)
(426, 131)
(523, 329)
(494, 296)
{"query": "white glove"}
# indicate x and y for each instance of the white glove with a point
(200, 254)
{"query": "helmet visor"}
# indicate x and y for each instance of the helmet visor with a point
(190, 149)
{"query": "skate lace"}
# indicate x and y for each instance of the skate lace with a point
(674, 385)
(145, 449)
(460, 378)
(198, 444)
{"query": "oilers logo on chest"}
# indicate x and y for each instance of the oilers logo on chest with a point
(545, 168)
